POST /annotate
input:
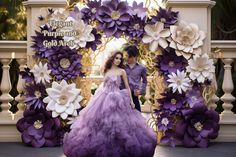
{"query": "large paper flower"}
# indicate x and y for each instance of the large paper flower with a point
(89, 13)
(83, 33)
(63, 99)
(172, 102)
(178, 81)
(198, 126)
(41, 73)
(39, 129)
(169, 62)
(136, 28)
(166, 16)
(186, 39)
(113, 17)
(138, 10)
(201, 68)
(65, 63)
(35, 93)
(39, 40)
(156, 35)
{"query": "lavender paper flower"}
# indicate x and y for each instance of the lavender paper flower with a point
(27, 75)
(113, 17)
(65, 63)
(136, 28)
(89, 14)
(168, 17)
(198, 126)
(138, 10)
(172, 101)
(41, 51)
(169, 62)
(169, 138)
(165, 121)
(194, 97)
(97, 41)
(35, 93)
(39, 129)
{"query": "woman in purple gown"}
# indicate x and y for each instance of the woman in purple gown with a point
(109, 126)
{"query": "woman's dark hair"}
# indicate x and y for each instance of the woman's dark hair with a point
(110, 60)
(132, 51)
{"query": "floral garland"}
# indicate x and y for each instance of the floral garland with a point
(53, 100)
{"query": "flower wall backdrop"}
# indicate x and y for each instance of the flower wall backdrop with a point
(173, 49)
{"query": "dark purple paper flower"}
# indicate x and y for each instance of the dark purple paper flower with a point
(172, 101)
(165, 121)
(27, 75)
(34, 95)
(39, 41)
(39, 129)
(97, 41)
(136, 28)
(65, 63)
(168, 17)
(194, 97)
(169, 138)
(198, 126)
(169, 62)
(89, 13)
(138, 10)
(113, 17)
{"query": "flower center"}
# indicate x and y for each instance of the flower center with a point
(63, 99)
(115, 15)
(38, 124)
(93, 10)
(163, 20)
(171, 63)
(37, 94)
(136, 26)
(193, 98)
(41, 74)
(65, 63)
(165, 121)
(156, 36)
(173, 101)
(198, 126)
(200, 68)
(178, 82)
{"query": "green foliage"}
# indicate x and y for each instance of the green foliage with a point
(12, 20)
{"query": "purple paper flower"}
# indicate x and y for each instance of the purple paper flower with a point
(198, 126)
(65, 63)
(138, 10)
(169, 138)
(97, 41)
(39, 129)
(34, 95)
(169, 62)
(173, 102)
(113, 17)
(194, 97)
(39, 42)
(165, 121)
(168, 17)
(27, 75)
(136, 28)
(89, 13)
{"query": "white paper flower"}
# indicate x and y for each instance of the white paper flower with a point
(178, 81)
(59, 15)
(63, 99)
(186, 39)
(83, 33)
(156, 35)
(41, 73)
(201, 68)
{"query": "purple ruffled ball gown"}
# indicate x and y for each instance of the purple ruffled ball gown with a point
(109, 127)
